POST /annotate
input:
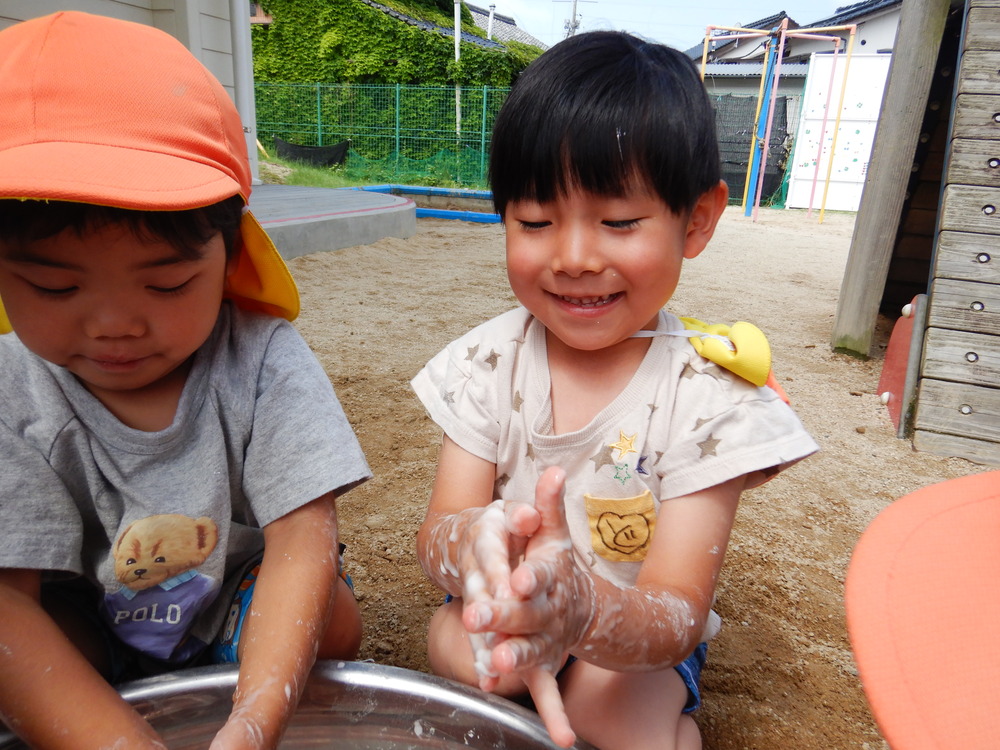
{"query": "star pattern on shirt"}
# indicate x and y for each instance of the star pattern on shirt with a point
(472, 351)
(699, 423)
(708, 446)
(530, 452)
(622, 474)
(499, 484)
(639, 468)
(517, 401)
(625, 444)
(492, 359)
(652, 408)
(719, 373)
(688, 372)
(448, 397)
(602, 458)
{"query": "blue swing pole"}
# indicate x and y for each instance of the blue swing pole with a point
(756, 114)
(759, 134)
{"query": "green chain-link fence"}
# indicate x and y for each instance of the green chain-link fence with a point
(416, 135)
(398, 133)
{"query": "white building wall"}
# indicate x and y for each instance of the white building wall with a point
(12, 11)
(873, 34)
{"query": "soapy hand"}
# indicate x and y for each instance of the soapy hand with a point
(485, 560)
(549, 609)
(260, 713)
(471, 553)
(245, 728)
(237, 735)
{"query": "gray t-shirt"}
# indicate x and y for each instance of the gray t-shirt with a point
(159, 521)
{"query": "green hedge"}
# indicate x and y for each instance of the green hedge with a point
(348, 41)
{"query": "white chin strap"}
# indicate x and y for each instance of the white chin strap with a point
(645, 334)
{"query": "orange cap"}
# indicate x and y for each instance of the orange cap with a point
(104, 111)
(924, 616)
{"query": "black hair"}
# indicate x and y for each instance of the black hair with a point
(187, 230)
(600, 111)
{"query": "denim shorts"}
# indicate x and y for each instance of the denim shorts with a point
(225, 648)
(690, 672)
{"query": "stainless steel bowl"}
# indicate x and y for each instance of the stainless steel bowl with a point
(345, 705)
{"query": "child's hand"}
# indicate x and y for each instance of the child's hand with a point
(470, 553)
(552, 605)
(492, 538)
(238, 734)
(257, 720)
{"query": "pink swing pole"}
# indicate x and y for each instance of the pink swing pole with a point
(822, 130)
(756, 117)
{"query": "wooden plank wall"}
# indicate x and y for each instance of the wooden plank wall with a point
(958, 397)
(890, 170)
(910, 267)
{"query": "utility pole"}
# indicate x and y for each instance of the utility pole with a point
(573, 23)
(458, 87)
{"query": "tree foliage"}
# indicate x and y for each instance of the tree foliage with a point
(349, 41)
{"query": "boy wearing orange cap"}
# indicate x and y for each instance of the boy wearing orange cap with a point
(172, 449)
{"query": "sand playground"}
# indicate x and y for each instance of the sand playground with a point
(781, 672)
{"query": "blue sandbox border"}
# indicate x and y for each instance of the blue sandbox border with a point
(482, 217)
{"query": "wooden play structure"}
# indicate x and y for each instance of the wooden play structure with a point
(929, 230)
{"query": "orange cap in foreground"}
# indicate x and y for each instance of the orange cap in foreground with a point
(104, 111)
(923, 613)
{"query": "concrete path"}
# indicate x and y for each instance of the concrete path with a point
(302, 220)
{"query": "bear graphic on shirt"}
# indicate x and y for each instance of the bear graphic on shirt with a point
(161, 593)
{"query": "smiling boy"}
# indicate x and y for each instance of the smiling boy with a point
(592, 459)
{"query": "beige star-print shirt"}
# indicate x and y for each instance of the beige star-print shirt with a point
(682, 424)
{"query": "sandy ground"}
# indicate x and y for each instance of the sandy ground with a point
(781, 673)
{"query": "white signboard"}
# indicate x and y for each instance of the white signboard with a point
(855, 132)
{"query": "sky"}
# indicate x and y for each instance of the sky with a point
(678, 23)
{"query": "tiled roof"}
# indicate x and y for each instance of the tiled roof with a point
(753, 70)
(764, 24)
(771, 22)
(847, 13)
(843, 16)
(505, 28)
(428, 26)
